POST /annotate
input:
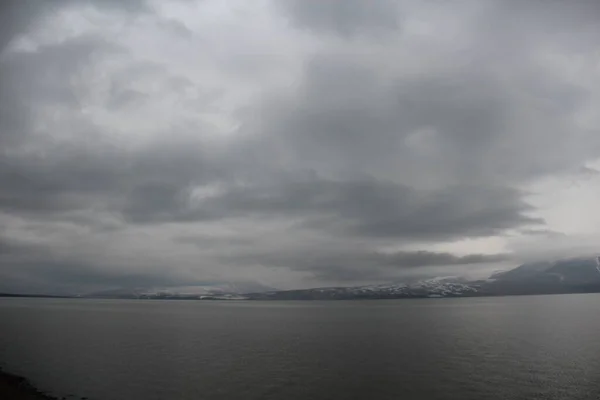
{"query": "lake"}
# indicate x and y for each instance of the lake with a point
(535, 347)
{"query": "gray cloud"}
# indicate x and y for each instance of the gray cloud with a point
(29, 81)
(46, 268)
(429, 134)
(372, 208)
(542, 232)
(456, 126)
(16, 16)
(356, 263)
(345, 17)
(68, 278)
(44, 173)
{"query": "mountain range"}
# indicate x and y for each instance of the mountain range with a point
(573, 275)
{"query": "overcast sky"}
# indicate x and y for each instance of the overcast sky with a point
(293, 143)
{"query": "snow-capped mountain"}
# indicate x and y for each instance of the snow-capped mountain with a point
(574, 275)
(436, 287)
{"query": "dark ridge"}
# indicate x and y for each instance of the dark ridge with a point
(34, 295)
(15, 387)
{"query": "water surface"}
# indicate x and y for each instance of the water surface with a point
(536, 347)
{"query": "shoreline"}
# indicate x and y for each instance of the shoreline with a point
(16, 387)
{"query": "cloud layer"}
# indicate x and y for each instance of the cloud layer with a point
(291, 143)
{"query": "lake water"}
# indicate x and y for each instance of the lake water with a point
(537, 347)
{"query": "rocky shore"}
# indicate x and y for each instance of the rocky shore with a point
(14, 387)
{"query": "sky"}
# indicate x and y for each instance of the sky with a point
(293, 143)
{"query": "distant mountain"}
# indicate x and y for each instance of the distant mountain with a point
(436, 287)
(569, 272)
(525, 271)
(162, 294)
(34, 295)
(119, 293)
(206, 291)
(574, 275)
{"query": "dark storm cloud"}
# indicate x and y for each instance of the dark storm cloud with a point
(148, 185)
(154, 185)
(346, 119)
(355, 264)
(402, 259)
(345, 17)
(372, 208)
